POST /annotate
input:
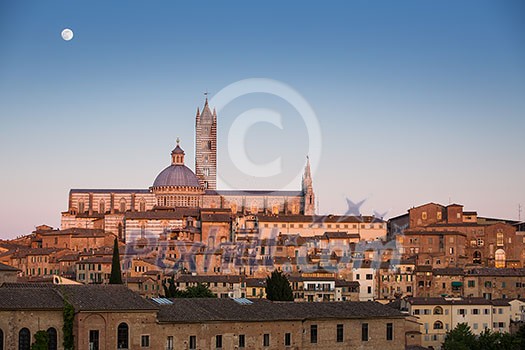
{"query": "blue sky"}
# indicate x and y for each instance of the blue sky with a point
(417, 101)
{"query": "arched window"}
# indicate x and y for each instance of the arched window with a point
(438, 310)
(52, 344)
(122, 205)
(438, 325)
(122, 336)
(101, 207)
(477, 257)
(499, 257)
(24, 339)
(1, 339)
(142, 205)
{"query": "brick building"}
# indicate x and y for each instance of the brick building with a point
(109, 317)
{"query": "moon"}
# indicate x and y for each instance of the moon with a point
(67, 34)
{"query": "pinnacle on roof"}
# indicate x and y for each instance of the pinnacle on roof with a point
(206, 112)
(177, 149)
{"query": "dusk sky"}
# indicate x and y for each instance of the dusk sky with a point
(416, 101)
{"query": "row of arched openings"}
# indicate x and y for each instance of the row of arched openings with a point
(24, 339)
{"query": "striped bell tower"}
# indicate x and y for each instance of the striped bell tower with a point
(206, 147)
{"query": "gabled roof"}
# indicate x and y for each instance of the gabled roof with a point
(218, 310)
(4, 267)
(36, 298)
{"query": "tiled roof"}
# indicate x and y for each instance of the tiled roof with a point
(96, 260)
(255, 282)
(343, 283)
(104, 297)
(448, 301)
(78, 232)
(36, 298)
(448, 271)
(268, 193)
(202, 310)
(492, 271)
(82, 297)
(108, 191)
(178, 214)
(4, 267)
(315, 220)
(210, 278)
(215, 217)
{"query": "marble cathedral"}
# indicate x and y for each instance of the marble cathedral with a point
(181, 202)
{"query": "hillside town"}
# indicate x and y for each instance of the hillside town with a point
(400, 283)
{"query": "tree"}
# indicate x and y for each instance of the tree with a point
(116, 273)
(460, 338)
(488, 340)
(171, 291)
(278, 287)
(520, 337)
(198, 291)
(41, 341)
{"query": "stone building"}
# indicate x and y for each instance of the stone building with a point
(448, 236)
(8, 273)
(123, 212)
(439, 315)
(110, 317)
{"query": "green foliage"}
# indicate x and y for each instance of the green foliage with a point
(460, 338)
(41, 341)
(116, 273)
(69, 315)
(278, 287)
(198, 291)
(171, 291)
(520, 337)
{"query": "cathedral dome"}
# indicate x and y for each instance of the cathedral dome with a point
(176, 175)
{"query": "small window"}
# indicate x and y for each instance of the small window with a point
(144, 341)
(364, 332)
(169, 343)
(218, 341)
(313, 334)
(389, 331)
(94, 339)
(340, 333)
(266, 339)
(193, 342)
(242, 341)
(288, 339)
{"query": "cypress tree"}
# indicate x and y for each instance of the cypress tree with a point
(116, 273)
(278, 287)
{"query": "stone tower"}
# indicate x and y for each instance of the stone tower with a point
(308, 191)
(206, 147)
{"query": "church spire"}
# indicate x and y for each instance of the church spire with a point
(308, 190)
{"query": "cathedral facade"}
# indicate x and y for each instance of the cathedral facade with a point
(179, 197)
